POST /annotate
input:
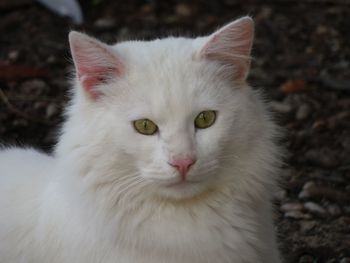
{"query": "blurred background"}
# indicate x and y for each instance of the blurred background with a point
(301, 61)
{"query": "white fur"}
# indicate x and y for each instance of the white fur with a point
(103, 196)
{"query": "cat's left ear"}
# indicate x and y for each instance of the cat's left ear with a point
(95, 62)
(231, 45)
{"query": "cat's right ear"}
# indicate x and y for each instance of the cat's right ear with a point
(95, 62)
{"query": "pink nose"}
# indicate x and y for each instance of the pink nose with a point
(182, 165)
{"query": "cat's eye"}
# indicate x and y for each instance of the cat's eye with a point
(205, 119)
(145, 126)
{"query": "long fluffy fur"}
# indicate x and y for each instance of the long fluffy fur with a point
(102, 196)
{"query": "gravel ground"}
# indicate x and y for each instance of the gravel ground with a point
(302, 56)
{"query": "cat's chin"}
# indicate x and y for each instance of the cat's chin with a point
(181, 184)
(183, 191)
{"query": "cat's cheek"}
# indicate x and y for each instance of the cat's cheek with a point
(146, 153)
(207, 142)
(212, 145)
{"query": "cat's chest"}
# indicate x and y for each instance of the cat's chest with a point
(222, 234)
(186, 236)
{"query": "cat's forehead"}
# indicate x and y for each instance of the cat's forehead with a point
(166, 63)
(162, 58)
(165, 68)
(166, 76)
(159, 49)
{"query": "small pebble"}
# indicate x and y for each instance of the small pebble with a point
(183, 9)
(334, 177)
(280, 195)
(13, 55)
(306, 259)
(306, 226)
(123, 32)
(318, 124)
(147, 8)
(334, 210)
(346, 143)
(334, 121)
(321, 192)
(321, 29)
(51, 110)
(280, 107)
(323, 159)
(315, 208)
(104, 23)
(345, 260)
(20, 123)
(265, 13)
(304, 194)
(303, 112)
(297, 215)
(51, 59)
(302, 134)
(34, 86)
(308, 185)
(39, 105)
(292, 207)
(60, 82)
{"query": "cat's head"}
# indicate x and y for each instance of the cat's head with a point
(170, 114)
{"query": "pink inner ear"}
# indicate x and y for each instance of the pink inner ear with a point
(95, 63)
(89, 83)
(231, 45)
(90, 77)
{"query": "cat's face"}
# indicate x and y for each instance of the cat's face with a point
(171, 103)
(173, 107)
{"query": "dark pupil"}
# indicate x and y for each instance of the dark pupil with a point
(145, 124)
(203, 117)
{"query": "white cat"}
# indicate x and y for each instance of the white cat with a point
(167, 156)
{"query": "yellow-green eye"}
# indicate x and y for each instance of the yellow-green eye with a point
(205, 119)
(145, 126)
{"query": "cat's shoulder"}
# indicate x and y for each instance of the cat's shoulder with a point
(14, 154)
(17, 162)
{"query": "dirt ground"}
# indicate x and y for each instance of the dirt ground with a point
(301, 59)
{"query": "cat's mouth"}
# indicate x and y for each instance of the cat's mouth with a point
(178, 189)
(185, 193)
(181, 183)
